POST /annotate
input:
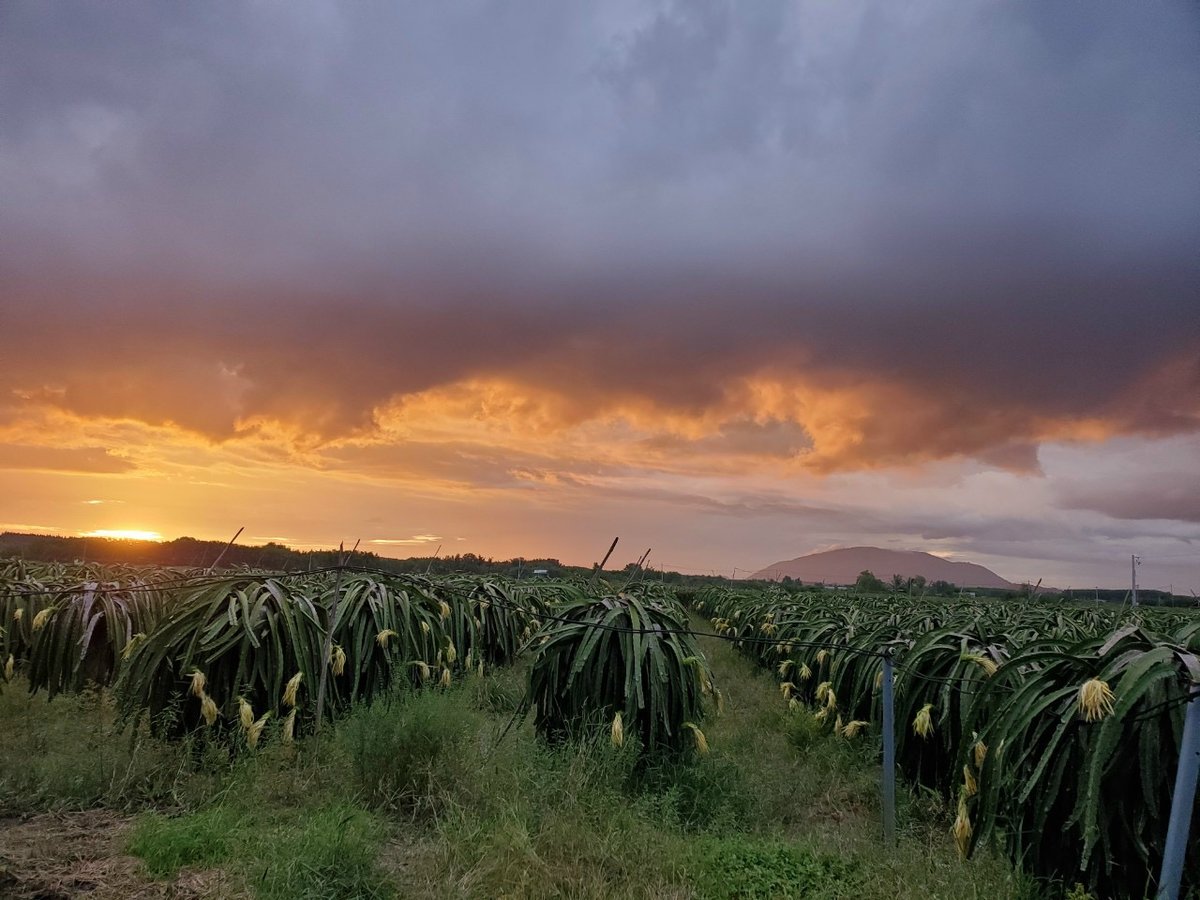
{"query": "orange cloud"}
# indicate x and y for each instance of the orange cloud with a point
(494, 431)
(456, 392)
(46, 457)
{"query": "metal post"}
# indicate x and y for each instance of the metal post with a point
(1133, 564)
(1182, 802)
(889, 756)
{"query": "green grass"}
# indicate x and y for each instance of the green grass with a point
(813, 790)
(320, 850)
(743, 867)
(434, 795)
(202, 840)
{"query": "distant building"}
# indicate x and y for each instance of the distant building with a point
(544, 573)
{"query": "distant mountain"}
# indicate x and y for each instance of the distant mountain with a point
(844, 566)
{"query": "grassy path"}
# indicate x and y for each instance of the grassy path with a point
(822, 791)
(778, 809)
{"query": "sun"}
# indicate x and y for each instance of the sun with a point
(124, 534)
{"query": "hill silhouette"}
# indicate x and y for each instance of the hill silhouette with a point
(843, 567)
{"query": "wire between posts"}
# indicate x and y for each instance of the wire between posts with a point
(205, 581)
(1167, 705)
(183, 583)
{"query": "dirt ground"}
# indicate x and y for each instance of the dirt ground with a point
(82, 854)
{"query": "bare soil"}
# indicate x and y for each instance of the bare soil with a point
(82, 854)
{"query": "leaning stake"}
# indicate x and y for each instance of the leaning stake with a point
(599, 567)
(221, 555)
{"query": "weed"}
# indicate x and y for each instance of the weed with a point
(409, 750)
(501, 692)
(705, 794)
(751, 868)
(70, 754)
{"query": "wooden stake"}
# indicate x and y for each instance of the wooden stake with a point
(429, 567)
(600, 565)
(221, 555)
(637, 568)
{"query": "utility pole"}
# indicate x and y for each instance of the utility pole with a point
(1134, 562)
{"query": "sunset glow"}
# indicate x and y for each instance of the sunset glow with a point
(732, 287)
(124, 534)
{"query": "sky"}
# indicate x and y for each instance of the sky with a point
(733, 281)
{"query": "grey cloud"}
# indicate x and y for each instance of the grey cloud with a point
(747, 505)
(1153, 495)
(1136, 483)
(222, 211)
(317, 136)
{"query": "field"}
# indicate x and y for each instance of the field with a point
(484, 738)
